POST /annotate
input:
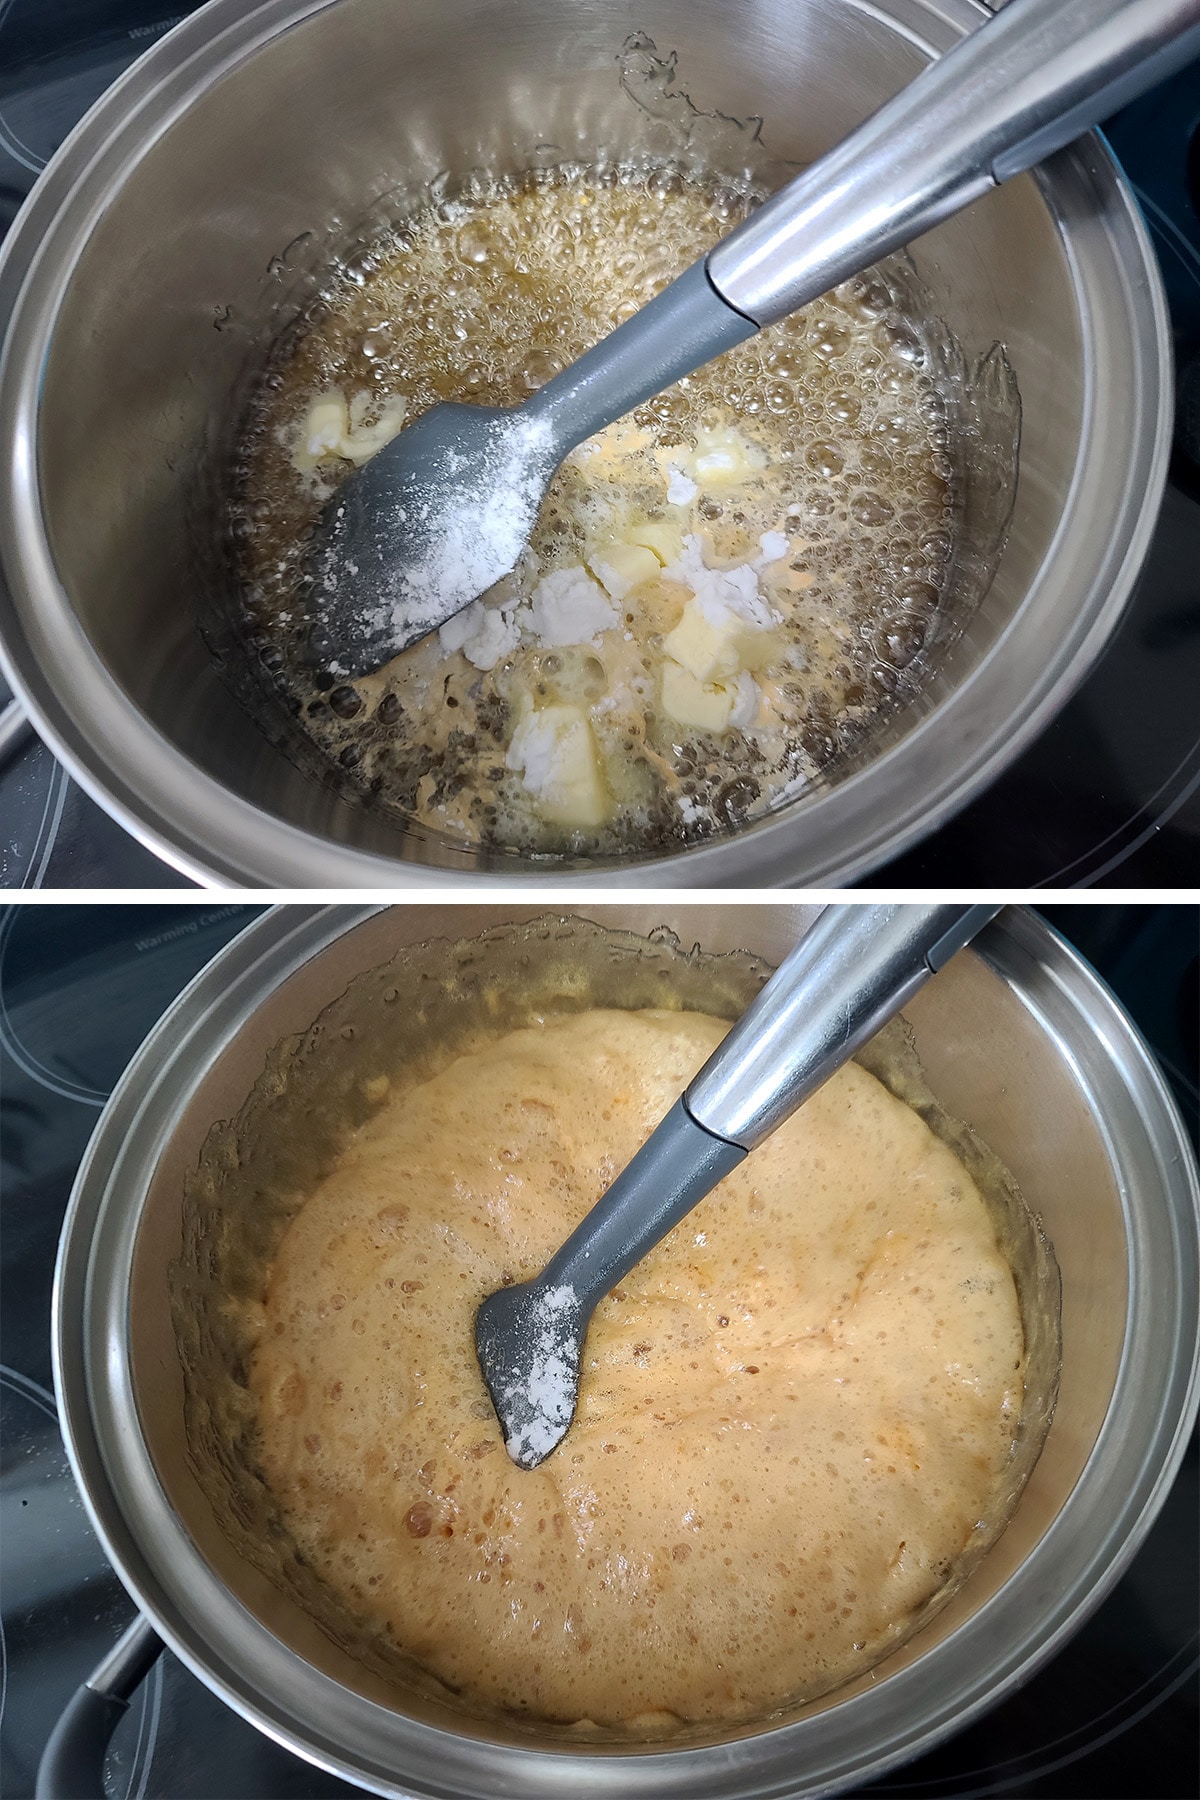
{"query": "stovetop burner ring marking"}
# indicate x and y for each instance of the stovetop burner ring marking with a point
(24, 1058)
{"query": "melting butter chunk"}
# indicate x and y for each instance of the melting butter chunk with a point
(714, 706)
(331, 427)
(714, 642)
(598, 457)
(554, 752)
(726, 631)
(660, 536)
(726, 626)
(621, 567)
(723, 458)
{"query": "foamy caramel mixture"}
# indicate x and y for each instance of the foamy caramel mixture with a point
(724, 591)
(793, 1413)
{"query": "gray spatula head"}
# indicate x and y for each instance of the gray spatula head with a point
(443, 512)
(529, 1340)
(436, 518)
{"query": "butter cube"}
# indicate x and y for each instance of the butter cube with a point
(708, 654)
(554, 752)
(621, 567)
(660, 536)
(706, 706)
(714, 644)
(331, 428)
(723, 458)
(362, 442)
(322, 429)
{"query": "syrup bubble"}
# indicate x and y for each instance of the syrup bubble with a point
(482, 294)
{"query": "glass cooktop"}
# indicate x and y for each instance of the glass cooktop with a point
(1110, 793)
(1113, 1717)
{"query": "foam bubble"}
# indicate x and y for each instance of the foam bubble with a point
(791, 1414)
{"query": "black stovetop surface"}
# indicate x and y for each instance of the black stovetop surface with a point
(1108, 795)
(1113, 1717)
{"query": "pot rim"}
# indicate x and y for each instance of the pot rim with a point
(200, 827)
(986, 1657)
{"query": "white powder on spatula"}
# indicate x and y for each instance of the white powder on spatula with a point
(548, 1392)
(467, 528)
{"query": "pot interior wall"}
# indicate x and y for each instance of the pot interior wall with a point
(993, 1053)
(217, 234)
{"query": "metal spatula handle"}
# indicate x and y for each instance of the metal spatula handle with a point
(1022, 86)
(851, 973)
(854, 970)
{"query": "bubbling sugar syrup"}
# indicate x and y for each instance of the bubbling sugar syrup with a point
(842, 452)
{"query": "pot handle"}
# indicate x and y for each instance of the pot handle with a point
(72, 1764)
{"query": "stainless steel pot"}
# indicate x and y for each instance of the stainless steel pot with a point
(1017, 1037)
(181, 225)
